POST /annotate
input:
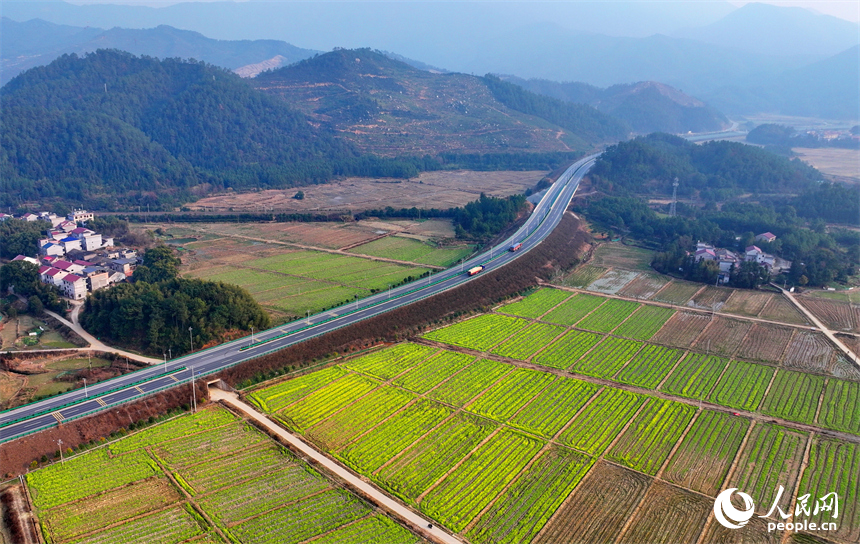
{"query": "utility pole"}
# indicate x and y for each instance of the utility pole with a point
(674, 198)
(389, 291)
(193, 393)
(60, 445)
(308, 317)
(191, 335)
(165, 362)
(86, 394)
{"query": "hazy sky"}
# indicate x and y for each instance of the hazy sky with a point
(844, 9)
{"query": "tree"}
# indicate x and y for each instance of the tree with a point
(299, 195)
(35, 306)
(749, 275)
(159, 264)
(21, 276)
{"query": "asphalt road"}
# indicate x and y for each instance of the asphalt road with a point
(50, 412)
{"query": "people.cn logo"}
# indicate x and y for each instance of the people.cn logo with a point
(726, 513)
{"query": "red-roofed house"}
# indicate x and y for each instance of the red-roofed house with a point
(29, 217)
(55, 275)
(766, 237)
(66, 266)
(25, 258)
(74, 287)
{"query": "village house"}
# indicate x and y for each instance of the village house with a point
(767, 237)
(74, 287)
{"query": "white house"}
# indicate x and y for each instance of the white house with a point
(91, 242)
(28, 259)
(70, 243)
(52, 250)
(29, 217)
(55, 275)
(80, 216)
(67, 266)
(74, 287)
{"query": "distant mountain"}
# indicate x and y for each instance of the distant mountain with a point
(829, 89)
(766, 29)
(391, 108)
(646, 106)
(36, 43)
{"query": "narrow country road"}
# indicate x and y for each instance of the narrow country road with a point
(391, 505)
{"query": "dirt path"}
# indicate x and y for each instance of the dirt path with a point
(96, 344)
(392, 506)
(848, 353)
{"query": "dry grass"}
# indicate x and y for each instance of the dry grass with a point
(439, 190)
(842, 164)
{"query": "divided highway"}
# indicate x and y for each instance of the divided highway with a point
(50, 412)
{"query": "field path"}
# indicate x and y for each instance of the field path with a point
(391, 505)
(809, 315)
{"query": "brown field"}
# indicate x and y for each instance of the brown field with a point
(750, 303)
(582, 276)
(677, 292)
(711, 298)
(645, 286)
(841, 367)
(323, 235)
(682, 329)
(782, 310)
(853, 342)
(842, 164)
(755, 532)
(724, 336)
(837, 316)
(598, 508)
(442, 190)
(765, 342)
(669, 515)
(809, 351)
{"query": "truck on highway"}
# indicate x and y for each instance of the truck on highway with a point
(515, 247)
(474, 270)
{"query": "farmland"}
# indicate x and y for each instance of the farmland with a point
(780, 309)
(836, 315)
(704, 457)
(840, 409)
(555, 406)
(682, 329)
(770, 459)
(583, 276)
(289, 281)
(275, 397)
(669, 515)
(645, 322)
(480, 333)
(608, 316)
(742, 386)
(536, 304)
(526, 342)
(613, 281)
(695, 376)
(433, 371)
(522, 510)
(724, 336)
(407, 249)
(793, 396)
(599, 506)
(566, 350)
(646, 444)
(834, 468)
(710, 298)
(323, 402)
(206, 475)
(505, 398)
(808, 351)
(573, 309)
(644, 287)
(387, 363)
(677, 292)
(465, 385)
(600, 422)
(748, 303)
(649, 366)
(765, 342)
(607, 358)
(478, 480)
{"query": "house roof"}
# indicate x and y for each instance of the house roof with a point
(71, 278)
(43, 269)
(706, 252)
(54, 272)
(62, 265)
(753, 248)
(768, 235)
(80, 230)
(82, 263)
(19, 258)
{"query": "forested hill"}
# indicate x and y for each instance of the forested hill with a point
(391, 108)
(713, 171)
(111, 129)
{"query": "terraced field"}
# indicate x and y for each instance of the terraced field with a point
(536, 304)
(479, 333)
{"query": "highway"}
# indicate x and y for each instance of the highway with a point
(47, 413)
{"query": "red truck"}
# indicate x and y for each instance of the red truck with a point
(475, 270)
(515, 247)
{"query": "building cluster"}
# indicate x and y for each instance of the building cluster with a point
(78, 260)
(726, 259)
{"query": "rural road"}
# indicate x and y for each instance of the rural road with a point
(50, 412)
(392, 506)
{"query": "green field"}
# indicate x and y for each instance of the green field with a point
(525, 343)
(299, 281)
(610, 314)
(567, 350)
(651, 436)
(505, 398)
(695, 376)
(645, 322)
(407, 249)
(189, 478)
(607, 358)
(649, 366)
(434, 370)
(536, 304)
(467, 384)
(274, 397)
(574, 309)
(600, 422)
(555, 406)
(479, 333)
(388, 363)
(840, 410)
(323, 402)
(742, 386)
(793, 396)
